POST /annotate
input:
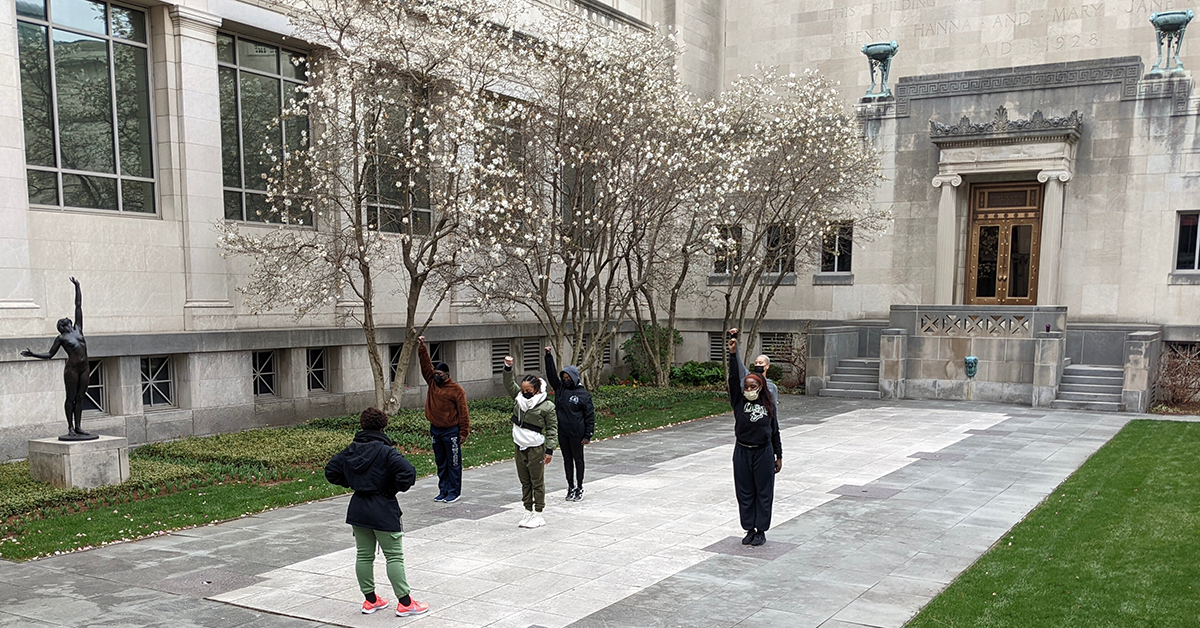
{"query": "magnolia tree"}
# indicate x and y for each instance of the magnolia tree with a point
(601, 148)
(801, 169)
(392, 174)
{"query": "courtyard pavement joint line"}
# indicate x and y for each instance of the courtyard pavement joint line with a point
(636, 528)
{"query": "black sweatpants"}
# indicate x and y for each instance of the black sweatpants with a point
(754, 483)
(572, 453)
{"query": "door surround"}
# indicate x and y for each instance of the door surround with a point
(1040, 146)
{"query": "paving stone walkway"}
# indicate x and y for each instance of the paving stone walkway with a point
(879, 506)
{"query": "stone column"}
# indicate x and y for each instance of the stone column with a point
(195, 105)
(1049, 257)
(1142, 351)
(16, 280)
(947, 236)
(1049, 350)
(893, 349)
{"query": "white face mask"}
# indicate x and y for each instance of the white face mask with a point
(750, 395)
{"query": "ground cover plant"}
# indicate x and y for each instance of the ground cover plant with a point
(202, 480)
(1115, 545)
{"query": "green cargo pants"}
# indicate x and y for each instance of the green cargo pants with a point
(531, 468)
(365, 540)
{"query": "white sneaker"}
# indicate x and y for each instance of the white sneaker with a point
(536, 521)
(526, 519)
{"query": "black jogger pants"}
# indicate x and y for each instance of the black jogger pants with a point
(754, 483)
(572, 454)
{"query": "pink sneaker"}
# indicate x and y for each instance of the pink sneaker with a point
(415, 608)
(369, 608)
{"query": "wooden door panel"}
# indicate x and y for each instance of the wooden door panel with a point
(1005, 237)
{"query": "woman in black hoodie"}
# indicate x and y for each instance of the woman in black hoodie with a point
(758, 452)
(376, 471)
(576, 421)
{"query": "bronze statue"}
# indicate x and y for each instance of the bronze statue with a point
(75, 373)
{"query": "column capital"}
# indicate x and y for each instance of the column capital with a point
(182, 17)
(954, 180)
(1061, 175)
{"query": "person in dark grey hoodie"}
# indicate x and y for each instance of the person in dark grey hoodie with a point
(376, 471)
(576, 421)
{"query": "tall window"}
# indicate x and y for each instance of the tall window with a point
(775, 345)
(394, 361)
(85, 103)
(96, 397)
(398, 194)
(838, 248)
(728, 254)
(500, 349)
(781, 249)
(158, 384)
(1187, 256)
(257, 83)
(716, 347)
(318, 374)
(264, 372)
(531, 353)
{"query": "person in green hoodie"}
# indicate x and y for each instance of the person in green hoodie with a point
(535, 434)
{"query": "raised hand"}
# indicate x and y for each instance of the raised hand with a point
(732, 345)
(733, 332)
(549, 350)
(421, 339)
(508, 361)
(74, 281)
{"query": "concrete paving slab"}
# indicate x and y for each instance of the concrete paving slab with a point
(638, 551)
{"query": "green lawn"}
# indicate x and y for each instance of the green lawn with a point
(199, 480)
(1116, 545)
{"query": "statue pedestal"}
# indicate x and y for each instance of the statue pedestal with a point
(79, 464)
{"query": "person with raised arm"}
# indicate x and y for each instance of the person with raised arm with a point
(576, 421)
(758, 450)
(535, 434)
(75, 371)
(449, 423)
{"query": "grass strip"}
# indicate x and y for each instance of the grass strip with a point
(202, 480)
(1115, 545)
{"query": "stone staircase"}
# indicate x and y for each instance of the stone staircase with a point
(1088, 387)
(855, 378)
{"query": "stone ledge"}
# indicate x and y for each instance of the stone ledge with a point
(1184, 278)
(833, 279)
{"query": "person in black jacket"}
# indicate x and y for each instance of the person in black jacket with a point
(758, 452)
(376, 471)
(576, 421)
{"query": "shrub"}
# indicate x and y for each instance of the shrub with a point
(636, 357)
(775, 372)
(20, 494)
(269, 447)
(1179, 373)
(698, 374)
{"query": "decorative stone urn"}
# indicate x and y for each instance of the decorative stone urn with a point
(879, 56)
(1170, 26)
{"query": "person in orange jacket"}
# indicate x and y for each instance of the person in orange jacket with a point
(449, 423)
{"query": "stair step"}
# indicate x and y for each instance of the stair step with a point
(850, 394)
(1076, 396)
(842, 385)
(842, 377)
(1094, 371)
(1071, 378)
(1090, 388)
(857, 370)
(1095, 406)
(859, 362)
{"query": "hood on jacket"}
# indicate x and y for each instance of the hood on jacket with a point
(360, 455)
(573, 372)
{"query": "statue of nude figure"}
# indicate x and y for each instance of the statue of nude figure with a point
(75, 372)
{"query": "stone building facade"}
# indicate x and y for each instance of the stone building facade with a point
(1045, 113)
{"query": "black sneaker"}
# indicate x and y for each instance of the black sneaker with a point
(759, 539)
(746, 540)
(570, 494)
(578, 495)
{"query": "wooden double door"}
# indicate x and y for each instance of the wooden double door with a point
(1005, 237)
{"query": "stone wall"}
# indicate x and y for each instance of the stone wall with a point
(938, 340)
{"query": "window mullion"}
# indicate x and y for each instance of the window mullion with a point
(112, 106)
(237, 100)
(54, 107)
